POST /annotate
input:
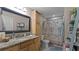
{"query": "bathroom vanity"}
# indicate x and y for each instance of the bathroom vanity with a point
(28, 43)
(13, 22)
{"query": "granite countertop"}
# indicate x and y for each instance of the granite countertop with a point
(16, 41)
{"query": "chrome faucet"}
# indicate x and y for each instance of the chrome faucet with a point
(13, 35)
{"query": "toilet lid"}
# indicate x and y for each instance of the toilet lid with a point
(46, 41)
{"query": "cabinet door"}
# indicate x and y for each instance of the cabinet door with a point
(24, 49)
(31, 47)
(37, 44)
(27, 46)
(24, 45)
(13, 48)
(36, 29)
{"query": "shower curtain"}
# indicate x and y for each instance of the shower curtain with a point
(53, 30)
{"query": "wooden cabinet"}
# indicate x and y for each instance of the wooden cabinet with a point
(29, 45)
(24, 46)
(37, 44)
(36, 26)
(13, 48)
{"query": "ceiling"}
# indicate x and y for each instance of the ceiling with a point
(50, 11)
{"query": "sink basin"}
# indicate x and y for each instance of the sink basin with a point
(5, 40)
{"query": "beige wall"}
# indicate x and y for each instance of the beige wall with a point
(67, 18)
(0, 23)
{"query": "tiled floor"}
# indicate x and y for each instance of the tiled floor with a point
(53, 49)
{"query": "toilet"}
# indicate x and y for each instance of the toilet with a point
(45, 43)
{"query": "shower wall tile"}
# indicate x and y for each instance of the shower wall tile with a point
(51, 32)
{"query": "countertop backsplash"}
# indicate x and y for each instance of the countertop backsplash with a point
(18, 35)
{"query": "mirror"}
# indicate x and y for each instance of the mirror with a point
(13, 21)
